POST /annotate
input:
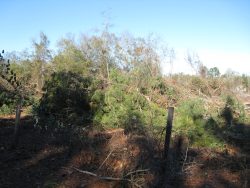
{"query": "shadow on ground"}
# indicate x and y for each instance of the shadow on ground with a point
(45, 159)
(203, 167)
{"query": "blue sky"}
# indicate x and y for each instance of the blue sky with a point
(218, 30)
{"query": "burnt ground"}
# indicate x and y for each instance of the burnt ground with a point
(45, 159)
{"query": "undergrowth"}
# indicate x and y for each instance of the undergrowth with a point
(190, 122)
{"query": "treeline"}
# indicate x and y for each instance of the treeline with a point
(107, 80)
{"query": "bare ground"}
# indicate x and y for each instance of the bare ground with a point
(43, 159)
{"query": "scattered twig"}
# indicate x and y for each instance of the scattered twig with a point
(105, 159)
(194, 163)
(187, 168)
(136, 171)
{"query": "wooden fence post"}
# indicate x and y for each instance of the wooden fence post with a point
(168, 131)
(17, 123)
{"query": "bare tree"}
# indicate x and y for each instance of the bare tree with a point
(172, 57)
(194, 61)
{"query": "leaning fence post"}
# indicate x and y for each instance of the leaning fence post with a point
(168, 131)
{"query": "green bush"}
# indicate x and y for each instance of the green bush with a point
(118, 106)
(65, 100)
(122, 105)
(189, 119)
(233, 110)
(6, 110)
(163, 88)
(7, 103)
(189, 122)
(9, 100)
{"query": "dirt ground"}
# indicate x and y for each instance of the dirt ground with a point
(108, 159)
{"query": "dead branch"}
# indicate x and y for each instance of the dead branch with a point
(84, 172)
(106, 159)
(111, 178)
(100, 177)
(136, 171)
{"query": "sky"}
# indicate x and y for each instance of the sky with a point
(217, 30)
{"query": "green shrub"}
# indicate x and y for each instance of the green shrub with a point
(6, 110)
(122, 105)
(119, 106)
(163, 88)
(65, 100)
(189, 122)
(233, 110)
(9, 100)
(189, 119)
(7, 103)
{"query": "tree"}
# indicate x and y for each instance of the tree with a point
(13, 87)
(41, 56)
(8, 77)
(100, 51)
(71, 58)
(203, 71)
(171, 55)
(140, 59)
(214, 72)
(194, 61)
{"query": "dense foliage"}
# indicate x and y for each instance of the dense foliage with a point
(65, 99)
(111, 81)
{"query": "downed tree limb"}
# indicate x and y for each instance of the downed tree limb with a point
(100, 177)
(85, 172)
(107, 177)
